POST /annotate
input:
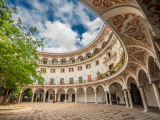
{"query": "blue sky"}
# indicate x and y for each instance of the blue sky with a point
(65, 25)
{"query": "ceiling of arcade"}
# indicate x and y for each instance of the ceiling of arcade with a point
(126, 20)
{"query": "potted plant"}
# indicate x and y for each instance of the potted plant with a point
(106, 74)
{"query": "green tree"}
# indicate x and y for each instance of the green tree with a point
(18, 66)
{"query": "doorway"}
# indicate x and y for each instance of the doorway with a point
(62, 97)
(73, 97)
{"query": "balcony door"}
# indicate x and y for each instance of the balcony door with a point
(89, 78)
(61, 81)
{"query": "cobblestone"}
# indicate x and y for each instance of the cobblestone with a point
(79, 111)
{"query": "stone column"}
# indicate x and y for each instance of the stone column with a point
(85, 97)
(143, 99)
(126, 98)
(110, 100)
(106, 98)
(95, 97)
(75, 97)
(156, 91)
(130, 98)
(65, 97)
(19, 97)
(32, 98)
(44, 97)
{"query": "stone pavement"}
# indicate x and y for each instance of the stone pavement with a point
(79, 111)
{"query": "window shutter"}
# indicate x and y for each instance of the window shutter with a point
(53, 70)
(69, 69)
(86, 66)
(78, 68)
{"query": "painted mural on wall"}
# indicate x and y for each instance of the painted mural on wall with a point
(103, 5)
(151, 9)
(152, 69)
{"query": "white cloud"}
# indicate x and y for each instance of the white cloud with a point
(90, 35)
(59, 37)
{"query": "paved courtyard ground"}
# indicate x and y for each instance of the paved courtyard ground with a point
(79, 111)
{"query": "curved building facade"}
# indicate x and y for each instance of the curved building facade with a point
(123, 61)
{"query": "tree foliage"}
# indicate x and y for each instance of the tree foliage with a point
(18, 66)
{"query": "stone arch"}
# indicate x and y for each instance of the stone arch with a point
(130, 80)
(50, 94)
(88, 55)
(96, 50)
(141, 73)
(80, 58)
(71, 89)
(45, 61)
(54, 61)
(103, 44)
(72, 60)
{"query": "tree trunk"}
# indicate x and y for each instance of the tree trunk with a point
(5, 97)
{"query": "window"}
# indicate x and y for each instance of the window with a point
(110, 66)
(61, 81)
(62, 70)
(71, 80)
(51, 81)
(88, 66)
(97, 62)
(70, 69)
(44, 62)
(43, 69)
(52, 70)
(79, 68)
(73, 61)
(109, 55)
(80, 79)
(81, 59)
(63, 62)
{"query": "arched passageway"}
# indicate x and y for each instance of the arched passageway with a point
(90, 94)
(100, 94)
(27, 95)
(71, 95)
(61, 95)
(80, 95)
(39, 95)
(115, 92)
(50, 95)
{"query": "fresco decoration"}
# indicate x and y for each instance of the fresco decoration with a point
(134, 60)
(45, 55)
(119, 20)
(106, 31)
(62, 56)
(103, 5)
(136, 29)
(130, 41)
(86, 50)
(151, 67)
(101, 39)
(124, 74)
(93, 45)
(38, 54)
(140, 76)
(133, 64)
(79, 53)
(140, 56)
(128, 69)
(54, 56)
(133, 68)
(134, 49)
(71, 55)
(153, 6)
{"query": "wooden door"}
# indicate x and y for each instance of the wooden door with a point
(98, 77)
(73, 97)
(71, 80)
(89, 78)
(62, 97)
(52, 81)
(56, 97)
